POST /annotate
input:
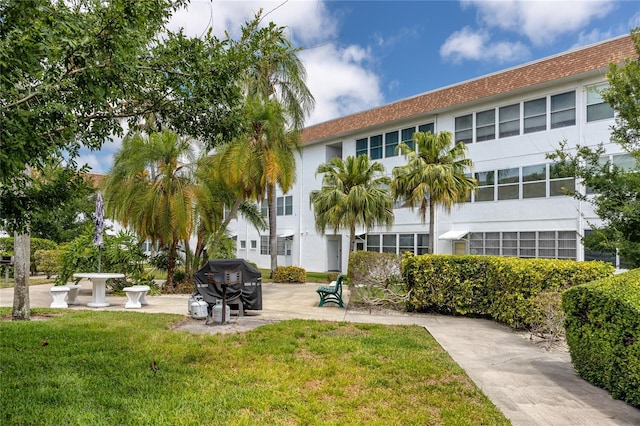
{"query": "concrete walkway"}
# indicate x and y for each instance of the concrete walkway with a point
(532, 386)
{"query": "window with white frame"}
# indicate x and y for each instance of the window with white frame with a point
(264, 208)
(509, 120)
(464, 128)
(284, 206)
(486, 185)
(265, 247)
(398, 243)
(534, 181)
(362, 146)
(509, 184)
(375, 147)
(535, 115)
(563, 110)
(407, 136)
(486, 125)
(243, 244)
(391, 144)
(254, 244)
(373, 243)
(429, 127)
(529, 244)
(560, 180)
(597, 108)
(389, 244)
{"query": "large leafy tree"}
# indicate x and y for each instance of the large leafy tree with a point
(615, 190)
(355, 192)
(151, 189)
(278, 101)
(435, 174)
(73, 71)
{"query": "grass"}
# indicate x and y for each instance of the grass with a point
(95, 369)
(34, 280)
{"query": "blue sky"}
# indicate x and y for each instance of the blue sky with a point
(362, 54)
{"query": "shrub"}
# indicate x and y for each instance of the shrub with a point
(6, 245)
(497, 287)
(332, 276)
(603, 333)
(49, 261)
(376, 280)
(121, 253)
(289, 274)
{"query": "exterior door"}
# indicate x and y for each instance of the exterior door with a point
(334, 255)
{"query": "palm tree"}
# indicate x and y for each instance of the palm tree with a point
(278, 101)
(354, 193)
(151, 189)
(434, 174)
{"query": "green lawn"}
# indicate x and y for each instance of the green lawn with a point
(96, 369)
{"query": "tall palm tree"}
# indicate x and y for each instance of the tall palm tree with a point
(151, 189)
(434, 175)
(277, 92)
(354, 193)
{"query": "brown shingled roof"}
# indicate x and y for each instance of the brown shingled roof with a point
(575, 62)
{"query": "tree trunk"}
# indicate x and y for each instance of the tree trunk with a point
(21, 267)
(432, 225)
(352, 238)
(171, 262)
(273, 236)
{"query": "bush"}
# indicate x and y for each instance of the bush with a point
(289, 274)
(376, 280)
(603, 333)
(500, 288)
(6, 245)
(121, 253)
(49, 261)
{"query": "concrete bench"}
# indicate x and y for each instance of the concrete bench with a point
(59, 294)
(136, 296)
(72, 298)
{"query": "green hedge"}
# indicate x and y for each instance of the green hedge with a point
(603, 333)
(6, 245)
(502, 288)
(49, 261)
(289, 274)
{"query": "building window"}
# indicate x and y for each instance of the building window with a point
(560, 180)
(243, 244)
(407, 136)
(284, 206)
(405, 243)
(624, 162)
(264, 208)
(254, 244)
(535, 115)
(423, 244)
(597, 108)
(486, 183)
(464, 128)
(375, 147)
(563, 110)
(264, 244)
(567, 245)
(527, 244)
(361, 147)
(509, 120)
(389, 243)
(280, 242)
(391, 144)
(510, 244)
(534, 181)
(373, 243)
(485, 125)
(429, 127)
(509, 184)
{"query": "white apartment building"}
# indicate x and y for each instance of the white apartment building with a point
(510, 121)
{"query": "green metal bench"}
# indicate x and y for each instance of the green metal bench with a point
(331, 293)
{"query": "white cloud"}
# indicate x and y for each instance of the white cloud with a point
(340, 82)
(467, 44)
(540, 21)
(339, 77)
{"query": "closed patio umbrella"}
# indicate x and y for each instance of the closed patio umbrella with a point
(99, 221)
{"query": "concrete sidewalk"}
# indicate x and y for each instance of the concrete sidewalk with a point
(532, 386)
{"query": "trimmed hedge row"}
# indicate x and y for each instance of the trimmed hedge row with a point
(501, 288)
(603, 333)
